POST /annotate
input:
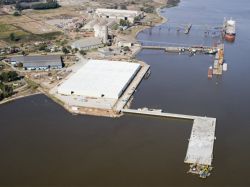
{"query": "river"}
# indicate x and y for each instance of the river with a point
(42, 144)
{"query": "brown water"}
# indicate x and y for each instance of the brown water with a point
(42, 144)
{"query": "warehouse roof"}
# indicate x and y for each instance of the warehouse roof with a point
(87, 42)
(38, 61)
(100, 78)
(130, 13)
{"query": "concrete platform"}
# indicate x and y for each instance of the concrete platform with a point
(201, 142)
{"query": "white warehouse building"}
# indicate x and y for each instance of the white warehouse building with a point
(100, 79)
(119, 14)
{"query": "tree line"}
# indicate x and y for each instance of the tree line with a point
(7, 90)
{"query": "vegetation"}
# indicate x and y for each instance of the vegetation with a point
(37, 5)
(124, 22)
(7, 29)
(115, 27)
(148, 9)
(5, 91)
(137, 18)
(16, 13)
(65, 50)
(49, 5)
(42, 47)
(82, 52)
(33, 85)
(8, 76)
(13, 37)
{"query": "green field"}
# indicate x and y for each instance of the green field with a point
(6, 30)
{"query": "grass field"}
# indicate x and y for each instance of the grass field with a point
(6, 30)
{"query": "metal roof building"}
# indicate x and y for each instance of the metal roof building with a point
(38, 62)
(100, 79)
(88, 43)
(119, 14)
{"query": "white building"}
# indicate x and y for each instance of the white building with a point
(100, 79)
(119, 14)
(101, 31)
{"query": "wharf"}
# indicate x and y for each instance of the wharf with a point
(179, 49)
(201, 142)
(123, 100)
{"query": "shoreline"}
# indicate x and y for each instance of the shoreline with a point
(9, 100)
(169, 4)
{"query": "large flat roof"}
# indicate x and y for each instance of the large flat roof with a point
(100, 78)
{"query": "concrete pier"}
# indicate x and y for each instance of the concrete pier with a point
(178, 49)
(201, 142)
(123, 100)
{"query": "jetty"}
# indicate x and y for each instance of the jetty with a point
(201, 141)
(219, 60)
(124, 99)
(182, 49)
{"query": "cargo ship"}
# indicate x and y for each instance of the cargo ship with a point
(229, 30)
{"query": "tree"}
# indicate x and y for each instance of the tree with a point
(42, 47)
(12, 36)
(6, 91)
(8, 76)
(82, 52)
(49, 5)
(65, 50)
(16, 13)
(124, 22)
(12, 76)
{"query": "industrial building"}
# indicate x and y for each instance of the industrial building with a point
(101, 31)
(38, 62)
(88, 43)
(129, 15)
(100, 79)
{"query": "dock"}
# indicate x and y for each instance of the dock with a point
(219, 60)
(182, 49)
(124, 99)
(201, 141)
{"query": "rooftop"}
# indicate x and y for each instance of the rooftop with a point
(129, 13)
(37, 61)
(100, 79)
(87, 42)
